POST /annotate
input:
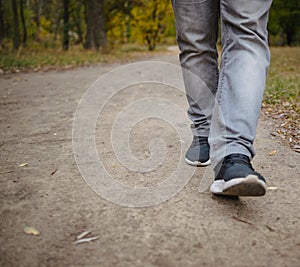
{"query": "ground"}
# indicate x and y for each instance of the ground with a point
(191, 229)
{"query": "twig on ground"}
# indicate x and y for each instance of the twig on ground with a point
(240, 220)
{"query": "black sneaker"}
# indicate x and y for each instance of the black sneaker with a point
(236, 177)
(198, 152)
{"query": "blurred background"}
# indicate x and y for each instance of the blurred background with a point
(108, 26)
(90, 23)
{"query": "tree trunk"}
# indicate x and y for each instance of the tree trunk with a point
(66, 25)
(290, 32)
(16, 40)
(101, 32)
(88, 8)
(77, 20)
(1, 22)
(24, 39)
(36, 18)
(151, 38)
(95, 32)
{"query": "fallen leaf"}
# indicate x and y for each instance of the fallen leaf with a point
(83, 234)
(272, 188)
(31, 231)
(86, 240)
(270, 228)
(52, 173)
(23, 164)
(272, 153)
(296, 149)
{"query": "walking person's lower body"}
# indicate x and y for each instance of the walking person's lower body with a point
(224, 131)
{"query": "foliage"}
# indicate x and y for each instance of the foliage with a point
(284, 22)
(91, 23)
(149, 20)
(96, 24)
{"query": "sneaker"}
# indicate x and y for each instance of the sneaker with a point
(198, 152)
(236, 177)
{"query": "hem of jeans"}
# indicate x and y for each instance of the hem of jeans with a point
(201, 133)
(203, 136)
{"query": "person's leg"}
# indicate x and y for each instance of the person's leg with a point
(197, 33)
(244, 64)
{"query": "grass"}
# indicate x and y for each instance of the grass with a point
(282, 95)
(39, 57)
(283, 84)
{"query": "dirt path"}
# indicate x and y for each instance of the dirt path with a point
(190, 229)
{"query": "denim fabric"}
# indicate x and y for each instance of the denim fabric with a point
(237, 86)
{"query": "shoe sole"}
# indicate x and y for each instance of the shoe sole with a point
(217, 187)
(250, 186)
(197, 163)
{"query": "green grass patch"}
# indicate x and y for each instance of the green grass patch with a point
(36, 57)
(283, 84)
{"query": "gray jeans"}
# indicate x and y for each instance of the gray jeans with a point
(237, 86)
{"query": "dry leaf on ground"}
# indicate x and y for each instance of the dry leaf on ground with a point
(31, 230)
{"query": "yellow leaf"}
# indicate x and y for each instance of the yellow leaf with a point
(31, 231)
(272, 188)
(272, 153)
(23, 164)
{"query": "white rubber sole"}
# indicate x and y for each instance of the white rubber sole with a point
(197, 163)
(249, 186)
(217, 187)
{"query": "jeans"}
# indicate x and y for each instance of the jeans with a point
(237, 85)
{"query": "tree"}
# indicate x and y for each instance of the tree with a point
(77, 20)
(66, 26)
(36, 18)
(1, 22)
(119, 17)
(16, 40)
(56, 17)
(149, 19)
(284, 18)
(95, 25)
(24, 39)
(89, 15)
